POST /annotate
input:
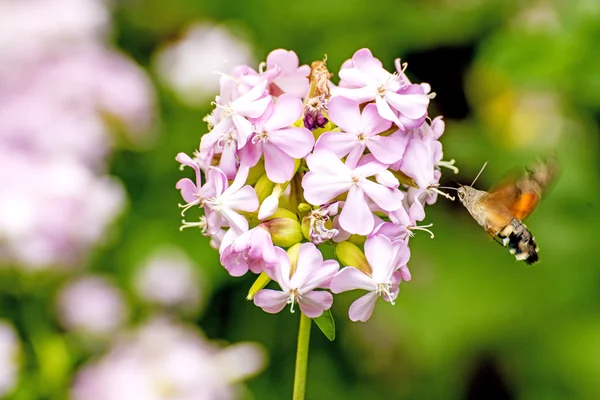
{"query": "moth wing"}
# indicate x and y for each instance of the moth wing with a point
(497, 214)
(522, 195)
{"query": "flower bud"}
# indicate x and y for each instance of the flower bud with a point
(264, 187)
(259, 284)
(268, 206)
(256, 172)
(358, 240)
(293, 253)
(350, 255)
(283, 213)
(285, 232)
(304, 208)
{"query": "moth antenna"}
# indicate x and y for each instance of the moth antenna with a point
(482, 168)
(448, 187)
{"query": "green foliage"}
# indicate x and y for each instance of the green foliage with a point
(326, 324)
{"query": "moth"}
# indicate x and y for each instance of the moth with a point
(501, 210)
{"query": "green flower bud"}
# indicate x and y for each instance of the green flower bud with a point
(292, 253)
(306, 227)
(283, 213)
(285, 232)
(264, 187)
(350, 255)
(358, 240)
(304, 208)
(259, 284)
(255, 173)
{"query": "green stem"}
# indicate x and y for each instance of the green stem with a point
(302, 357)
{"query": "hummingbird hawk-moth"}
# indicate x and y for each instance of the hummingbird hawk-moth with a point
(501, 210)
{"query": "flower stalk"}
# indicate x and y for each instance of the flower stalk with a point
(302, 357)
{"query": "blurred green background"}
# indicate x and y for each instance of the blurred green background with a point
(514, 80)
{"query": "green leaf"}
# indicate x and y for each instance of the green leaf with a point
(326, 324)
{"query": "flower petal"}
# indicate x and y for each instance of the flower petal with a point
(386, 111)
(380, 255)
(271, 301)
(356, 216)
(278, 165)
(244, 199)
(362, 308)
(350, 278)
(345, 113)
(389, 199)
(417, 163)
(339, 143)
(411, 105)
(295, 142)
(372, 123)
(287, 111)
(188, 190)
(312, 304)
(388, 149)
(311, 271)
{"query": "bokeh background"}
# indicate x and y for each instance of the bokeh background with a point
(101, 296)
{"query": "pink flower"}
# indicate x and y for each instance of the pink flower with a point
(163, 360)
(329, 178)
(222, 209)
(252, 250)
(91, 305)
(311, 273)
(385, 258)
(360, 131)
(190, 191)
(234, 113)
(10, 358)
(292, 79)
(278, 141)
(169, 278)
(364, 79)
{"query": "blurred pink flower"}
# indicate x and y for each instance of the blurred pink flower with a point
(52, 211)
(91, 305)
(28, 28)
(62, 91)
(10, 351)
(162, 360)
(169, 278)
(59, 104)
(189, 66)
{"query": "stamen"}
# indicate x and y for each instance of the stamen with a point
(200, 224)
(421, 228)
(449, 165)
(384, 289)
(188, 206)
(294, 296)
(261, 67)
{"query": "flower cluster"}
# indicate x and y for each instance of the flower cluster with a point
(292, 161)
(62, 91)
(166, 360)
